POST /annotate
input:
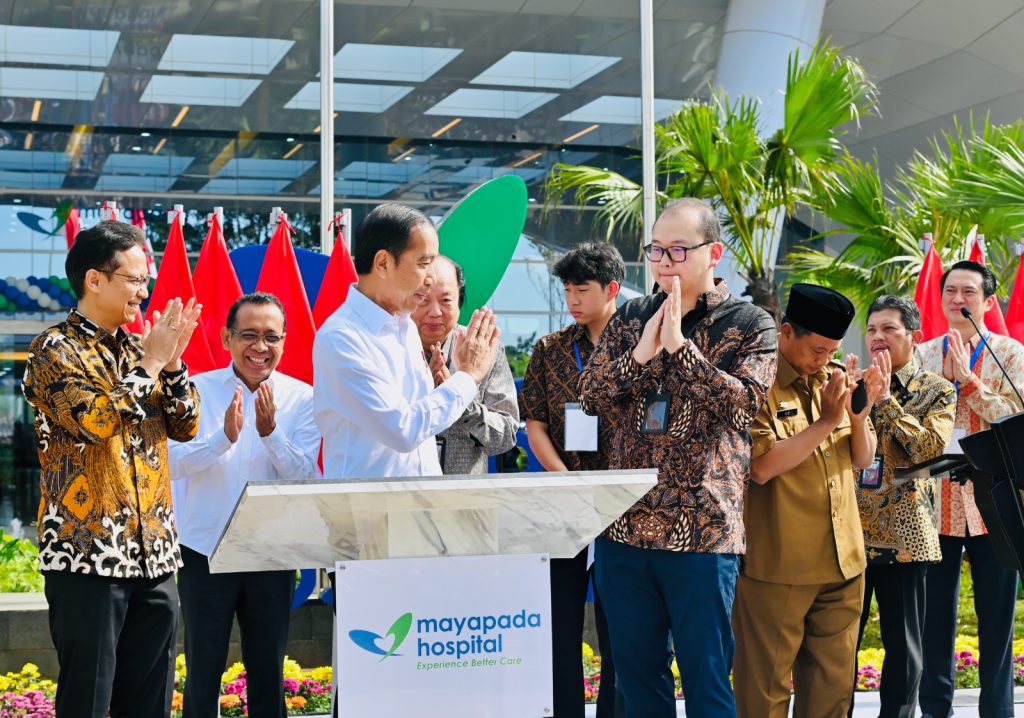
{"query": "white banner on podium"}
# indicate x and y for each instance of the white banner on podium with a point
(461, 636)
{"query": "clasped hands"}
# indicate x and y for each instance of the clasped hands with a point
(956, 365)
(234, 417)
(473, 348)
(663, 331)
(837, 394)
(165, 336)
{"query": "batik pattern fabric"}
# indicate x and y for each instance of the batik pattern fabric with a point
(102, 425)
(982, 400)
(716, 384)
(913, 425)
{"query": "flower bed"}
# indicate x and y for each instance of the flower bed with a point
(308, 691)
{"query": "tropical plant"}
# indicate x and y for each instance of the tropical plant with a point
(970, 177)
(715, 150)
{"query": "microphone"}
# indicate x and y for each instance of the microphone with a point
(966, 314)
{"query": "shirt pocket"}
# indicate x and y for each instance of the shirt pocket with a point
(786, 427)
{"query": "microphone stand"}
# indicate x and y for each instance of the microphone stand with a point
(966, 313)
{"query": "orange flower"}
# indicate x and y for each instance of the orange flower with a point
(177, 701)
(231, 700)
(297, 702)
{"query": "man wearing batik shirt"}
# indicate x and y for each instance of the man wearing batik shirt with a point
(686, 370)
(591, 275)
(106, 402)
(983, 395)
(914, 421)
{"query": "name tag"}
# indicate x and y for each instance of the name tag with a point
(785, 413)
(871, 477)
(580, 429)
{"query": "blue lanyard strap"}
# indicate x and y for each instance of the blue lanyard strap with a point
(579, 362)
(975, 355)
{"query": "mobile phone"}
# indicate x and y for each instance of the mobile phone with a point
(860, 397)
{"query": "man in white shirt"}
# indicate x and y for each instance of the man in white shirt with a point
(375, 400)
(254, 425)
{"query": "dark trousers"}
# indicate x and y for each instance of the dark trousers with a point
(995, 591)
(610, 703)
(115, 644)
(899, 589)
(568, 599)
(209, 602)
(647, 594)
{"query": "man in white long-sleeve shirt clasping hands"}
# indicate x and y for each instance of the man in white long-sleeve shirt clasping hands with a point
(375, 400)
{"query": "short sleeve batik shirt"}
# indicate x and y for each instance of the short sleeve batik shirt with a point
(102, 425)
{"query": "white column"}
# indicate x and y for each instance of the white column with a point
(326, 125)
(647, 127)
(756, 43)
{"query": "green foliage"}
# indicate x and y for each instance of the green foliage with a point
(19, 566)
(970, 177)
(715, 150)
(519, 355)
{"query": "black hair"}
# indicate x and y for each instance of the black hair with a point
(259, 299)
(798, 331)
(97, 248)
(710, 227)
(460, 278)
(388, 227)
(591, 262)
(909, 313)
(988, 279)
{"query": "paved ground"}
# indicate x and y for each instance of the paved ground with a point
(965, 704)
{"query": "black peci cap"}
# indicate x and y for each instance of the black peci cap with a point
(820, 310)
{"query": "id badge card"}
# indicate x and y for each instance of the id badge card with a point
(871, 477)
(580, 429)
(655, 416)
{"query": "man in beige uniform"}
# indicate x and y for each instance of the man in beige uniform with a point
(799, 594)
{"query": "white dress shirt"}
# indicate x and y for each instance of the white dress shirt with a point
(209, 473)
(375, 401)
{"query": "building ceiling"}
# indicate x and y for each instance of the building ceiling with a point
(201, 86)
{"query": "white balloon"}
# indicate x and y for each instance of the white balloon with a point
(34, 292)
(10, 280)
(22, 285)
(44, 301)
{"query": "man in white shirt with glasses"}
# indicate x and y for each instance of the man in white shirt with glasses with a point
(375, 400)
(255, 425)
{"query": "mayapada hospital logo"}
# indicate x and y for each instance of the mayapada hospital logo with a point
(469, 635)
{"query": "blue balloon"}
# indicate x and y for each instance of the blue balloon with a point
(55, 292)
(43, 283)
(33, 279)
(23, 301)
(11, 293)
(3, 286)
(67, 300)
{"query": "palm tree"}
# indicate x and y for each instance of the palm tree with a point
(969, 177)
(715, 150)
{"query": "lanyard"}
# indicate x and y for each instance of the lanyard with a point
(576, 349)
(974, 355)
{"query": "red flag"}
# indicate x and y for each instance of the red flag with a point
(280, 276)
(338, 277)
(217, 288)
(72, 226)
(175, 280)
(928, 296)
(1015, 312)
(994, 321)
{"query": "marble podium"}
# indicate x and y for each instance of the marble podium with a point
(313, 524)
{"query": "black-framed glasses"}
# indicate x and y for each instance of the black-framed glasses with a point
(135, 281)
(251, 337)
(677, 253)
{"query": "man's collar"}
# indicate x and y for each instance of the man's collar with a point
(785, 374)
(89, 331)
(374, 316)
(907, 371)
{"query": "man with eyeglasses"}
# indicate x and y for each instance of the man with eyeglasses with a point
(684, 372)
(255, 425)
(106, 402)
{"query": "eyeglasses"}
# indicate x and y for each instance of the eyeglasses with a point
(676, 253)
(250, 337)
(137, 282)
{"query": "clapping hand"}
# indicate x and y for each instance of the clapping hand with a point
(265, 410)
(475, 353)
(234, 417)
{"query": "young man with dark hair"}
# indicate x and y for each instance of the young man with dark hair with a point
(683, 372)
(592, 275)
(983, 395)
(914, 422)
(106, 402)
(798, 598)
(488, 426)
(375, 400)
(255, 425)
